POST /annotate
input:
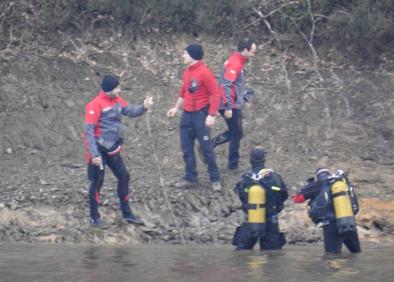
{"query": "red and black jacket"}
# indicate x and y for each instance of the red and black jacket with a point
(103, 122)
(200, 89)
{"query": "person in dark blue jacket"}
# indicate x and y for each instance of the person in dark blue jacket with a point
(321, 210)
(275, 195)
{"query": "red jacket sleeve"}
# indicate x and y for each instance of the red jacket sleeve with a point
(92, 118)
(214, 92)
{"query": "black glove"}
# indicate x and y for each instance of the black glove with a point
(248, 94)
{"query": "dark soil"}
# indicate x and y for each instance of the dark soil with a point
(297, 117)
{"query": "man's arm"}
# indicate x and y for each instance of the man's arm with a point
(92, 117)
(307, 192)
(242, 194)
(279, 187)
(227, 86)
(231, 73)
(131, 110)
(178, 104)
(213, 92)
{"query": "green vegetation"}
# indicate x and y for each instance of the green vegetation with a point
(360, 25)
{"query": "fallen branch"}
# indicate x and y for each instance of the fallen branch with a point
(262, 16)
(309, 40)
(267, 24)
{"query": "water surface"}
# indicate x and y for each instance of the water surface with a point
(77, 263)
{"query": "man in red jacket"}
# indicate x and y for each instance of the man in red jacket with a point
(103, 141)
(232, 80)
(199, 96)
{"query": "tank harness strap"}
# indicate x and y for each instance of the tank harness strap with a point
(265, 172)
(341, 193)
(256, 206)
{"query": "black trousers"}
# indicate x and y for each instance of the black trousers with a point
(192, 127)
(96, 177)
(272, 240)
(333, 240)
(233, 136)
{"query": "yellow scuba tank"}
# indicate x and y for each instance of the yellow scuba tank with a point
(343, 207)
(256, 210)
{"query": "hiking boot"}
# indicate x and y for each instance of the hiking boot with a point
(216, 186)
(98, 223)
(184, 184)
(133, 219)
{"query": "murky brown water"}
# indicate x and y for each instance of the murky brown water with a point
(23, 262)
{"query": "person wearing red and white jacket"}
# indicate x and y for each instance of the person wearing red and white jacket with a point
(199, 97)
(232, 82)
(103, 142)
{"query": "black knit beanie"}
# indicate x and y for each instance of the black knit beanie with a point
(109, 83)
(195, 51)
(257, 156)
